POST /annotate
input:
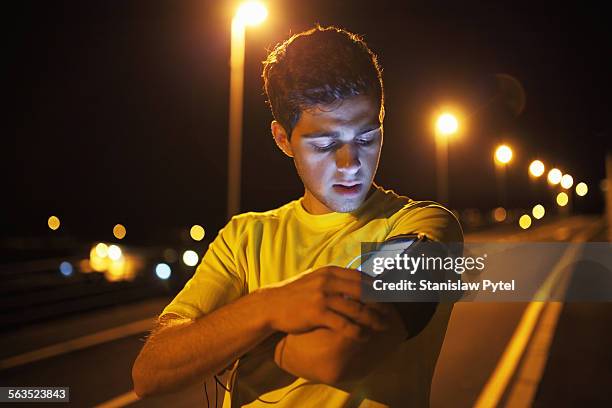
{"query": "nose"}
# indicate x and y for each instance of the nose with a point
(347, 159)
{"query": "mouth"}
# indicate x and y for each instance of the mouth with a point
(348, 188)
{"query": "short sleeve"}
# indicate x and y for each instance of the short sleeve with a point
(215, 282)
(429, 218)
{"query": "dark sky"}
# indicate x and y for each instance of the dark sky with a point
(118, 109)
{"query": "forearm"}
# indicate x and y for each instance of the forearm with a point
(181, 355)
(327, 357)
(324, 355)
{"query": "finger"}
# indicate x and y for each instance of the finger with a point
(343, 326)
(382, 308)
(343, 287)
(356, 311)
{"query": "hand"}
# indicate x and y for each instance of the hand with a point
(324, 298)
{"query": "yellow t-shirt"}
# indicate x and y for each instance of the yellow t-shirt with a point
(257, 249)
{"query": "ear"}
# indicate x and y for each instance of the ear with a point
(281, 138)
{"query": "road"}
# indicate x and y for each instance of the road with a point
(93, 352)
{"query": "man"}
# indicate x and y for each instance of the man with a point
(273, 302)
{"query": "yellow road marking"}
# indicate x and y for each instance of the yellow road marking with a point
(495, 387)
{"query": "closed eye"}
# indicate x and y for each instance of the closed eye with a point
(324, 148)
(365, 142)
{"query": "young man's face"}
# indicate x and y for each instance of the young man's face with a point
(336, 150)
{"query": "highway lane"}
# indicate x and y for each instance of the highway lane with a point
(478, 333)
(476, 338)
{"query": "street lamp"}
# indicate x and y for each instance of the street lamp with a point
(536, 168)
(502, 156)
(554, 176)
(249, 13)
(446, 125)
(567, 181)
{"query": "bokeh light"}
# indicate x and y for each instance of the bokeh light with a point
(562, 199)
(101, 250)
(190, 258)
(114, 252)
(66, 268)
(582, 189)
(567, 181)
(538, 211)
(500, 214)
(119, 231)
(536, 168)
(554, 176)
(197, 232)
(53, 222)
(503, 154)
(525, 221)
(170, 255)
(163, 271)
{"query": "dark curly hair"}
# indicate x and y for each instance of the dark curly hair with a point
(319, 66)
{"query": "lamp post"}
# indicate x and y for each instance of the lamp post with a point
(446, 125)
(249, 13)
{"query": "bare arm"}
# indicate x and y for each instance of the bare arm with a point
(180, 355)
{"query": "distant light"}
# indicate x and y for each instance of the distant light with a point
(562, 199)
(197, 232)
(119, 231)
(163, 271)
(503, 154)
(102, 250)
(538, 211)
(567, 181)
(525, 221)
(170, 255)
(554, 176)
(582, 189)
(53, 222)
(251, 13)
(114, 252)
(447, 124)
(536, 168)
(190, 258)
(66, 268)
(500, 214)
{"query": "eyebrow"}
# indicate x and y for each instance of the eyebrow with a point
(335, 135)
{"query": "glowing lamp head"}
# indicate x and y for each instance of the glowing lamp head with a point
(582, 189)
(554, 176)
(503, 154)
(538, 211)
(163, 271)
(567, 181)
(525, 221)
(562, 199)
(114, 252)
(197, 233)
(536, 168)
(53, 222)
(446, 124)
(101, 250)
(119, 231)
(251, 13)
(190, 258)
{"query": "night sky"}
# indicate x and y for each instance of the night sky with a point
(117, 110)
